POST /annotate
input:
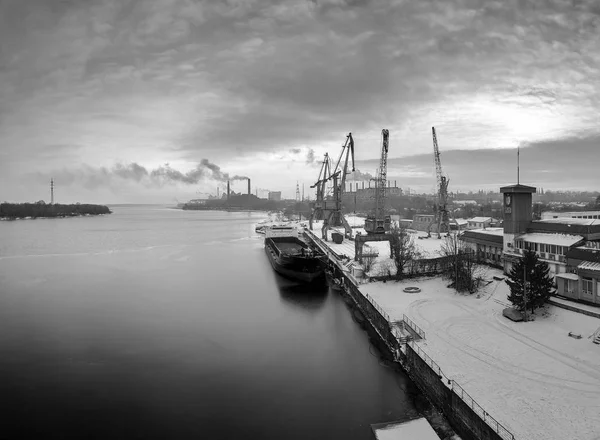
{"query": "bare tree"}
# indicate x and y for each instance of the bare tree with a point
(461, 268)
(403, 249)
(368, 260)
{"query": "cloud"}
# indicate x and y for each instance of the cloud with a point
(310, 156)
(183, 79)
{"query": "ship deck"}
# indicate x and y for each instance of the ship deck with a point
(289, 248)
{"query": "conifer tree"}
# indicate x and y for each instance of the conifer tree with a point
(539, 282)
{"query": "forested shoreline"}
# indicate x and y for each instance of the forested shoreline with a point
(13, 211)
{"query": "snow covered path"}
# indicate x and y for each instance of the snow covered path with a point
(532, 377)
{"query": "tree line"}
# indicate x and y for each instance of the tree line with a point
(41, 209)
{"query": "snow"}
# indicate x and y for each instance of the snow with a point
(557, 239)
(415, 429)
(532, 377)
(595, 309)
(589, 265)
(571, 221)
(427, 247)
(480, 219)
(489, 231)
(568, 276)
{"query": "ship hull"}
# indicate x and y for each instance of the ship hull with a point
(288, 259)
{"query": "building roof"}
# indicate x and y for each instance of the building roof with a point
(568, 276)
(480, 219)
(585, 227)
(584, 254)
(588, 265)
(557, 239)
(518, 188)
(494, 235)
(571, 221)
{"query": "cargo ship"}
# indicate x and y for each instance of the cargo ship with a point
(291, 256)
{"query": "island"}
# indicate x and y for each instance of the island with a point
(13, 211)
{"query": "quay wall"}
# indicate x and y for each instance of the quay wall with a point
(465, 415)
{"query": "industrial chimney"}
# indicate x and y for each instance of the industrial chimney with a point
(228, 190)
(249, 192)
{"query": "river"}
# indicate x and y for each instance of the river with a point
(155, 323)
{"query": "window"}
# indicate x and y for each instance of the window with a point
(587, 286)
(553, 249)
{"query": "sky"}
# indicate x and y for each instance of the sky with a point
(152, 101)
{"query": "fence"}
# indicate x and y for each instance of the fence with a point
(464, 396)
(378, 307)
(415, 328)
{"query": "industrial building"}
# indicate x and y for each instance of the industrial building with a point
(547, 215)
(570, 246)
(275, 196)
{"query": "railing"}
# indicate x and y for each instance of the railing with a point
(378, 307)
(460, 392)
(413, 326)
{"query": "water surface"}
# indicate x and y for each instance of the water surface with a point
(155, 323)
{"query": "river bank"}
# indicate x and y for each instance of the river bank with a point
(22, 211)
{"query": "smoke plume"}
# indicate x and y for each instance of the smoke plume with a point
(92, 177)
(359, 175)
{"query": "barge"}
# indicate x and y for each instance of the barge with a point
(291, 256)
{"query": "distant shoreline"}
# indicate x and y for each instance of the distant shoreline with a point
(40, 210)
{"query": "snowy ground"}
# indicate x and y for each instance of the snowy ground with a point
(427, 247)
(532, 377)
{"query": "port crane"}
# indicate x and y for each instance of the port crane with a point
(329, 208)
(441, 210)
(378, 224)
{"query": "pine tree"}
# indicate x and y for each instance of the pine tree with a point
(539, 283)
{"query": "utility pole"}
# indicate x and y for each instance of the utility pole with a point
(525, 291)
(456, 263)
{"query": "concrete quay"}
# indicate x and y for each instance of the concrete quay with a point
(401, 338)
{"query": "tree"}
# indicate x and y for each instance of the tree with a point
(462, 269)
(402, 248)
(533, 274)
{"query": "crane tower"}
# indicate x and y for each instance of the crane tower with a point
(441, 211)
(379, 223)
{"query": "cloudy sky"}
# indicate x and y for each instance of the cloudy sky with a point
(152, 100)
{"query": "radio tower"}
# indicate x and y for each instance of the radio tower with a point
(297, 192)
(51, 191)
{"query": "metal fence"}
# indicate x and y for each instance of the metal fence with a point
(413, 326)
(378, 307)
(465, 397)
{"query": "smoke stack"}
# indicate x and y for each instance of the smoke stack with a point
(249, 192)
(395, 184)
(228, 190)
